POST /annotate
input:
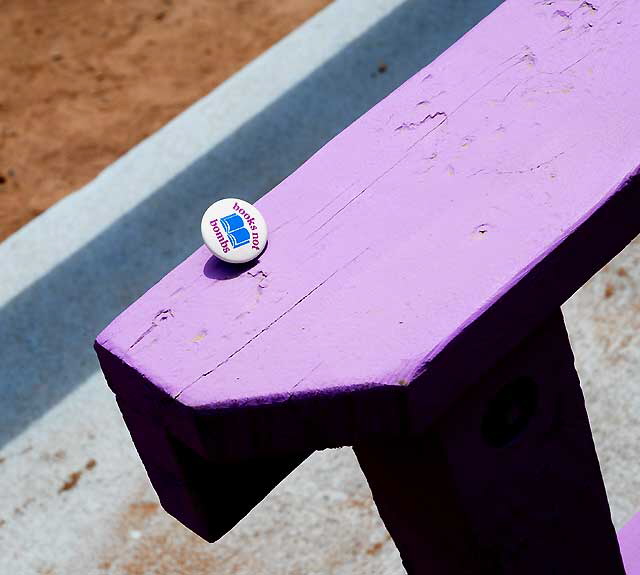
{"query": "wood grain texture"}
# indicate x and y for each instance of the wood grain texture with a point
(412, 251)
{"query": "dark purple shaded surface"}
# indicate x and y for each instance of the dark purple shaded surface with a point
(501, 486)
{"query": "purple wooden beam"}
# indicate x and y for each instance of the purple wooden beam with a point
(629, 538)
(406, 259)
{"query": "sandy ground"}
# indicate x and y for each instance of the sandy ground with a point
(82, 82)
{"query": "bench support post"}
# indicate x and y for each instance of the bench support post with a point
(505, 483)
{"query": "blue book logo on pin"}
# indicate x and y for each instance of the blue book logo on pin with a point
(237, 234)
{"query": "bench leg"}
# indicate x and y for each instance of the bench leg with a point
(507, 482)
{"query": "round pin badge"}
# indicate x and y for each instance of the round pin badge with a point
(234, 230)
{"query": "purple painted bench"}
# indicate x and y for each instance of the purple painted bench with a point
(408, 305)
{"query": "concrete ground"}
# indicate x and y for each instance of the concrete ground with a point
(74, 497)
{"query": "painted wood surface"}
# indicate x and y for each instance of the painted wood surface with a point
(629, 539)
(409, 253)
(507, 481)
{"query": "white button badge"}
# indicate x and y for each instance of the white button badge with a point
(234, 230)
